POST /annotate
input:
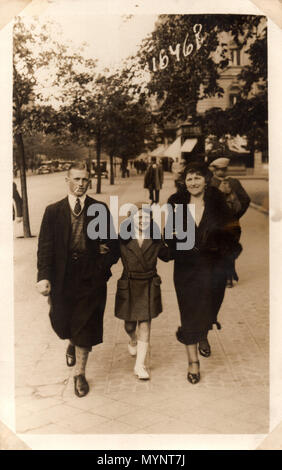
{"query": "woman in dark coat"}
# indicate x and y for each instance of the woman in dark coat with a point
(138, 296)
(200, 272)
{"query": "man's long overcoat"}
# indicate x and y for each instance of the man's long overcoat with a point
(53, 258)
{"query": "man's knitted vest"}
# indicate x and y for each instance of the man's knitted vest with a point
(77, 238)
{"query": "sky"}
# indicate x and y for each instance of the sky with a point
(110, 38)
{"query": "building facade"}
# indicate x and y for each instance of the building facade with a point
(185, 141)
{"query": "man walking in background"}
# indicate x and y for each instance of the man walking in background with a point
(73, 270)
(236, 198)
(18, 204)
(153, 180)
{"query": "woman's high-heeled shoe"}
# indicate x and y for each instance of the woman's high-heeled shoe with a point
(70, 355)
(194, 378)
(206, 350)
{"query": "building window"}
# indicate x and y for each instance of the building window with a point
(233, 98)
(264, 157)
(235, 57)
(234, 93)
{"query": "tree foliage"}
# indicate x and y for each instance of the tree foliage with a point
(38, 58)
(103, 110)
(183, 81)
(193, 72)
(249, 115)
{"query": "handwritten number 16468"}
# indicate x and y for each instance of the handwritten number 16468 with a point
(186, 49)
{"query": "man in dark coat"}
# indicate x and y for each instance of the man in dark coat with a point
(153, 180)
(236, 198)
(18, 204)
(73, 270)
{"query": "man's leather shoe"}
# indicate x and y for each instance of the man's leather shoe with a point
(81, 387)
(70, 355)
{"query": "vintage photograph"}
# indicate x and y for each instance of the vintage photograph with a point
(140, 216)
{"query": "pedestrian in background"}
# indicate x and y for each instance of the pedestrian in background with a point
(200, 272)
(153, 180)
(138, 296)
(74, 269)
(15, 170)
(18, 204)
(236, 198)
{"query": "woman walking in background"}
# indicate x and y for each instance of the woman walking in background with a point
(200, 272)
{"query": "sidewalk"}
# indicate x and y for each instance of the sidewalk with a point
(231, 398)
(258, 190)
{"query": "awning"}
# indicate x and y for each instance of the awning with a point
(159, 151)
(174, 149)
(237, 144)
(188, 145)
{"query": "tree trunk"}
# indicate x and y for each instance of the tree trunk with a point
(98, 152)
(123, 167)
(22, 165)
(251, 145)
(90, 167)
(112, 175)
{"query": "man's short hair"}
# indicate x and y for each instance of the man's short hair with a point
(79, 166)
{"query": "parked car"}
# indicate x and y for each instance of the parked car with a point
(43, 169)
(103, 169)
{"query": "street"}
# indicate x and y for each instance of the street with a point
(233, 394)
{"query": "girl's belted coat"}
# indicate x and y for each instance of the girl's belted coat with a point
(138, 295)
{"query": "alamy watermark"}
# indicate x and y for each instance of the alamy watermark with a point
(179, 222)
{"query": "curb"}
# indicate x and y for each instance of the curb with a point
(259, 208)
(251, 177)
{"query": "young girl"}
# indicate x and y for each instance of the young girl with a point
(138, 296)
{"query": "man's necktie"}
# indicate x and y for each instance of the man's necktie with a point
(77, 207)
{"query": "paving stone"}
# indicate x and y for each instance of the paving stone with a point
(114, 410)
(140, 418)
(115, 427)
(83, 423)
(175, 426)
(39, 404)
(33, 421)
(55, 390)
(52, 429)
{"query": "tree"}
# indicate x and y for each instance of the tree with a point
(126, 123)
(38, 56)
(82, 108)
(104, 110)
(249, 115)
(53, 146)
(24, 83)
(179, 63)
